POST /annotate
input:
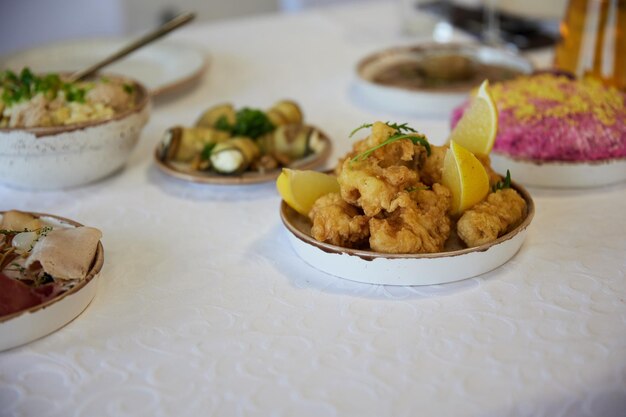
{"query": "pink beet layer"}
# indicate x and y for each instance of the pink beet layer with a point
(553, 118)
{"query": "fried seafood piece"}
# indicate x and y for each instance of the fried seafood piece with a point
(374, 183)
(401, 152)
(419, 225)
(499, 213)
(432, 168)
(367, 185)
(337, 222)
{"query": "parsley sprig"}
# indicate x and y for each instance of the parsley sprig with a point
(404, 127)
(26, 85)
(501, 185)
(248, 122)
(404, 131)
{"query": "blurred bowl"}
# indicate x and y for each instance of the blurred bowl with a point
(47, 158)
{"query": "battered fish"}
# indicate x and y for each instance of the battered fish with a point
(337, 222)
(419, 224)
(485, 222)
(374, 183)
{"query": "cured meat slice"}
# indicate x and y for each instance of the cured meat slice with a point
(66, 253)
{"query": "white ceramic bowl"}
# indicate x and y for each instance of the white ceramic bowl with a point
(455, 264)
(561, 174)
(45, 158)
(27, 325)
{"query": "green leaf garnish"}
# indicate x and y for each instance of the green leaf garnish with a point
(128, 88)
(421, 140)
(501, 185)
(207, 151)
(404, 127)
(251, 123)
(222, 124)
(26, 85)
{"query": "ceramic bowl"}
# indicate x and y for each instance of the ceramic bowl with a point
(46, 158)
(454, 264)
(27, 325)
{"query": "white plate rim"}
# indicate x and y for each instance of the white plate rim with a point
(166, 87)
(559, 173)
(410, 100)
(328, 251)
(249, 177)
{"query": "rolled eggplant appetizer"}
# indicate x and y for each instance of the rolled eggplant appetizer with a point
(234, 156)
(212, 116)
(285, 112)
(291, 142)
(181, 144)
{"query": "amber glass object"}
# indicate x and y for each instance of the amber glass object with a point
(593, 40)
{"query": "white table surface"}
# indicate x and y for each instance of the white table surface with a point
(204, 309)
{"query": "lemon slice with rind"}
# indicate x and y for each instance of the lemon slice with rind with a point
(465, 177)
(300, 189)
(476, 130)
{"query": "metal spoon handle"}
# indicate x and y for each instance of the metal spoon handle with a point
(167, 27)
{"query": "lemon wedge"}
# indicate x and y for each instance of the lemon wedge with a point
(300, 188)
(477, 128)
(465, 177)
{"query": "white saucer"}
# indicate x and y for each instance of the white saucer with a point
(162, 66)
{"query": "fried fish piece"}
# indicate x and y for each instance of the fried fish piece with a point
(502, 211)
(337, 222)
(367, 185)
(432, 168)
(419, 225)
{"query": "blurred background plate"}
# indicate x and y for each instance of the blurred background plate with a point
(162, 67)
(410, 80)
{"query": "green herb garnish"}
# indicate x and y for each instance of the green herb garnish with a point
(128, 88)
(501, 185)
(421, 140)
(207, 151)
(26, 85)
(404, 131)
(251, 123)
(399, 127)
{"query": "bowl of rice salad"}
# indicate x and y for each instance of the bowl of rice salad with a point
(557, 131)
(58, 134)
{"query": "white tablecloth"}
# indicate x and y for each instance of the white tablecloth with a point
(204, 309)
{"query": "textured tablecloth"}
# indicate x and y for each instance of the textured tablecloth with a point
(204, 309)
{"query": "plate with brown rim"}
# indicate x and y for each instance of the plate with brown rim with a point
(183, 172)
(35, 322)
(454, 264)
(431, 78)
(163, 66)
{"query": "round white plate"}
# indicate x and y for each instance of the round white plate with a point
(561, 174)
(183, 172)
(162, 66)
(27, 325)
(432, 101)
(455, 264)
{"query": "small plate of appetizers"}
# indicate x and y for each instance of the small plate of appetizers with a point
(228, 146)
